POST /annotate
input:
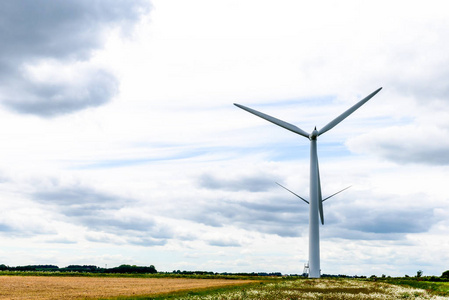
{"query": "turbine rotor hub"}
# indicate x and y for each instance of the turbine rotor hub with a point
(314, 134)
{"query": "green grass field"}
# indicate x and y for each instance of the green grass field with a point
(326, 288)
(435, 288)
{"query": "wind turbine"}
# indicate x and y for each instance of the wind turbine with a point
(315, 200)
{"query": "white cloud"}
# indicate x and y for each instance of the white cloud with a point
(170, 173)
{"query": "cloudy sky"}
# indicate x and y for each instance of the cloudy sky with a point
(121, 143)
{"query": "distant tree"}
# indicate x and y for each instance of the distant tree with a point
(445, 274)
(3, 267)
(434, 278)
(419, 273)
(132, 269)
(81, 269)
(46, 268)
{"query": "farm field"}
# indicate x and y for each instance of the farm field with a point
(53, 287)
(98, 287)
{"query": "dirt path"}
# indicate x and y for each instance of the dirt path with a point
(39, 287)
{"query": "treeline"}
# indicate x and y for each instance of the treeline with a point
(225, 273)
(123, 269)
(133, 269)
(418, 277)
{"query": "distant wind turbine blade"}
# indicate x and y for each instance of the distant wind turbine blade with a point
(320, 197)
(293, 193)
(337, 193)
(273, 120)
(344, 115)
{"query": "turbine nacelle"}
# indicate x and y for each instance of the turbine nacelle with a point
(314, 134)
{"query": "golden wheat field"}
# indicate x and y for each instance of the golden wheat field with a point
(40, 287)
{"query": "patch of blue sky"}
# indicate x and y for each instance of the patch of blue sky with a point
(116, 163)
(299, 151)
(306, 101)
(280, 151)
(127, 162)
(285, 152)
(202, 153)
(331, 150)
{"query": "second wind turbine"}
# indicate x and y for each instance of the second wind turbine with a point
(316, 200)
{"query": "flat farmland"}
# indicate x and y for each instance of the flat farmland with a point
(43, 287)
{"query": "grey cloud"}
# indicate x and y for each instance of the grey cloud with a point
(61, 29)
(275, 216)
(436, 154)
(387, 221)
(383, 222)
(116, 223)
(423, 89)
(134, 240)
(273, 206)
(64, 32)
(53, 99)
(407, 144)
(282, 216)
(144, 232)
(78, 200)
(60, 241)
(333, 232)
(127, 226)
(434, 85)
(103, 238)
(289, 218)
(101, 212)
(147, 242)
(224, 243)
(250, 183)
(5, 228)
(23, 230)
(420, 71)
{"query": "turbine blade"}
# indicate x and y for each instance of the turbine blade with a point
(293, 193)
(320, 197)
(337, 193)
(273, 120)
(344, 115)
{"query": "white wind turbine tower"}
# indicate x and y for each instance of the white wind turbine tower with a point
(316, 201)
